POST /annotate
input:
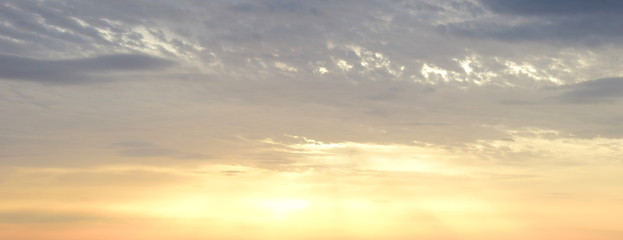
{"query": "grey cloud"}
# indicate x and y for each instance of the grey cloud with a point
(292, 6)
(142, 149)
(555, 7)
(589, 30)
(26, 23)
(595, 91)
(195, 156)
(569, 21)
(245, 94)
(429, 124)
(74, 71)
(62, 18)
(42, 27)
(515, 102)
(146, 151)
(78, 28)
(134, 144)
(250, 37)
(121, 62)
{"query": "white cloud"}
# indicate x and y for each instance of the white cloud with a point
(285, 67)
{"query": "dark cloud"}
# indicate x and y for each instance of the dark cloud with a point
(595, 91)
(273, 6)
(554, 7)
(569, 21)
(75, 71)
(121, 62)
(587, 30)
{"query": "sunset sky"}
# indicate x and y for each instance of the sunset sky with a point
(311, 120)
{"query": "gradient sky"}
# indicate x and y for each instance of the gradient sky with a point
(324, 120)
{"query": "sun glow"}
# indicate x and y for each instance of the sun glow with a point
(354, 190)
(281, 207)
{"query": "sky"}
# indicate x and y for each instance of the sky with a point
(324, 120)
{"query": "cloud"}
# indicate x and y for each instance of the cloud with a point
(595, 91)
(140, 149)
(134, 144)
(554, 7)
(75, 71)
(573, 22)
(388, 73)
(143, 149)
(22, 217)
(273, 38)
(232, 172)
(147, 152)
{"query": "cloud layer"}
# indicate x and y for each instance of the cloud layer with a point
(359, 117)
(75, 70)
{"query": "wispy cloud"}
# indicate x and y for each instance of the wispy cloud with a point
(595, 91)
(572, 22)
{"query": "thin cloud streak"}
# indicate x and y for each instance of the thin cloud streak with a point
(75, 71)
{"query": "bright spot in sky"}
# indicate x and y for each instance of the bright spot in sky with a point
(284, 206)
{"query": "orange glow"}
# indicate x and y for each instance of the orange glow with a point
(426, 194)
